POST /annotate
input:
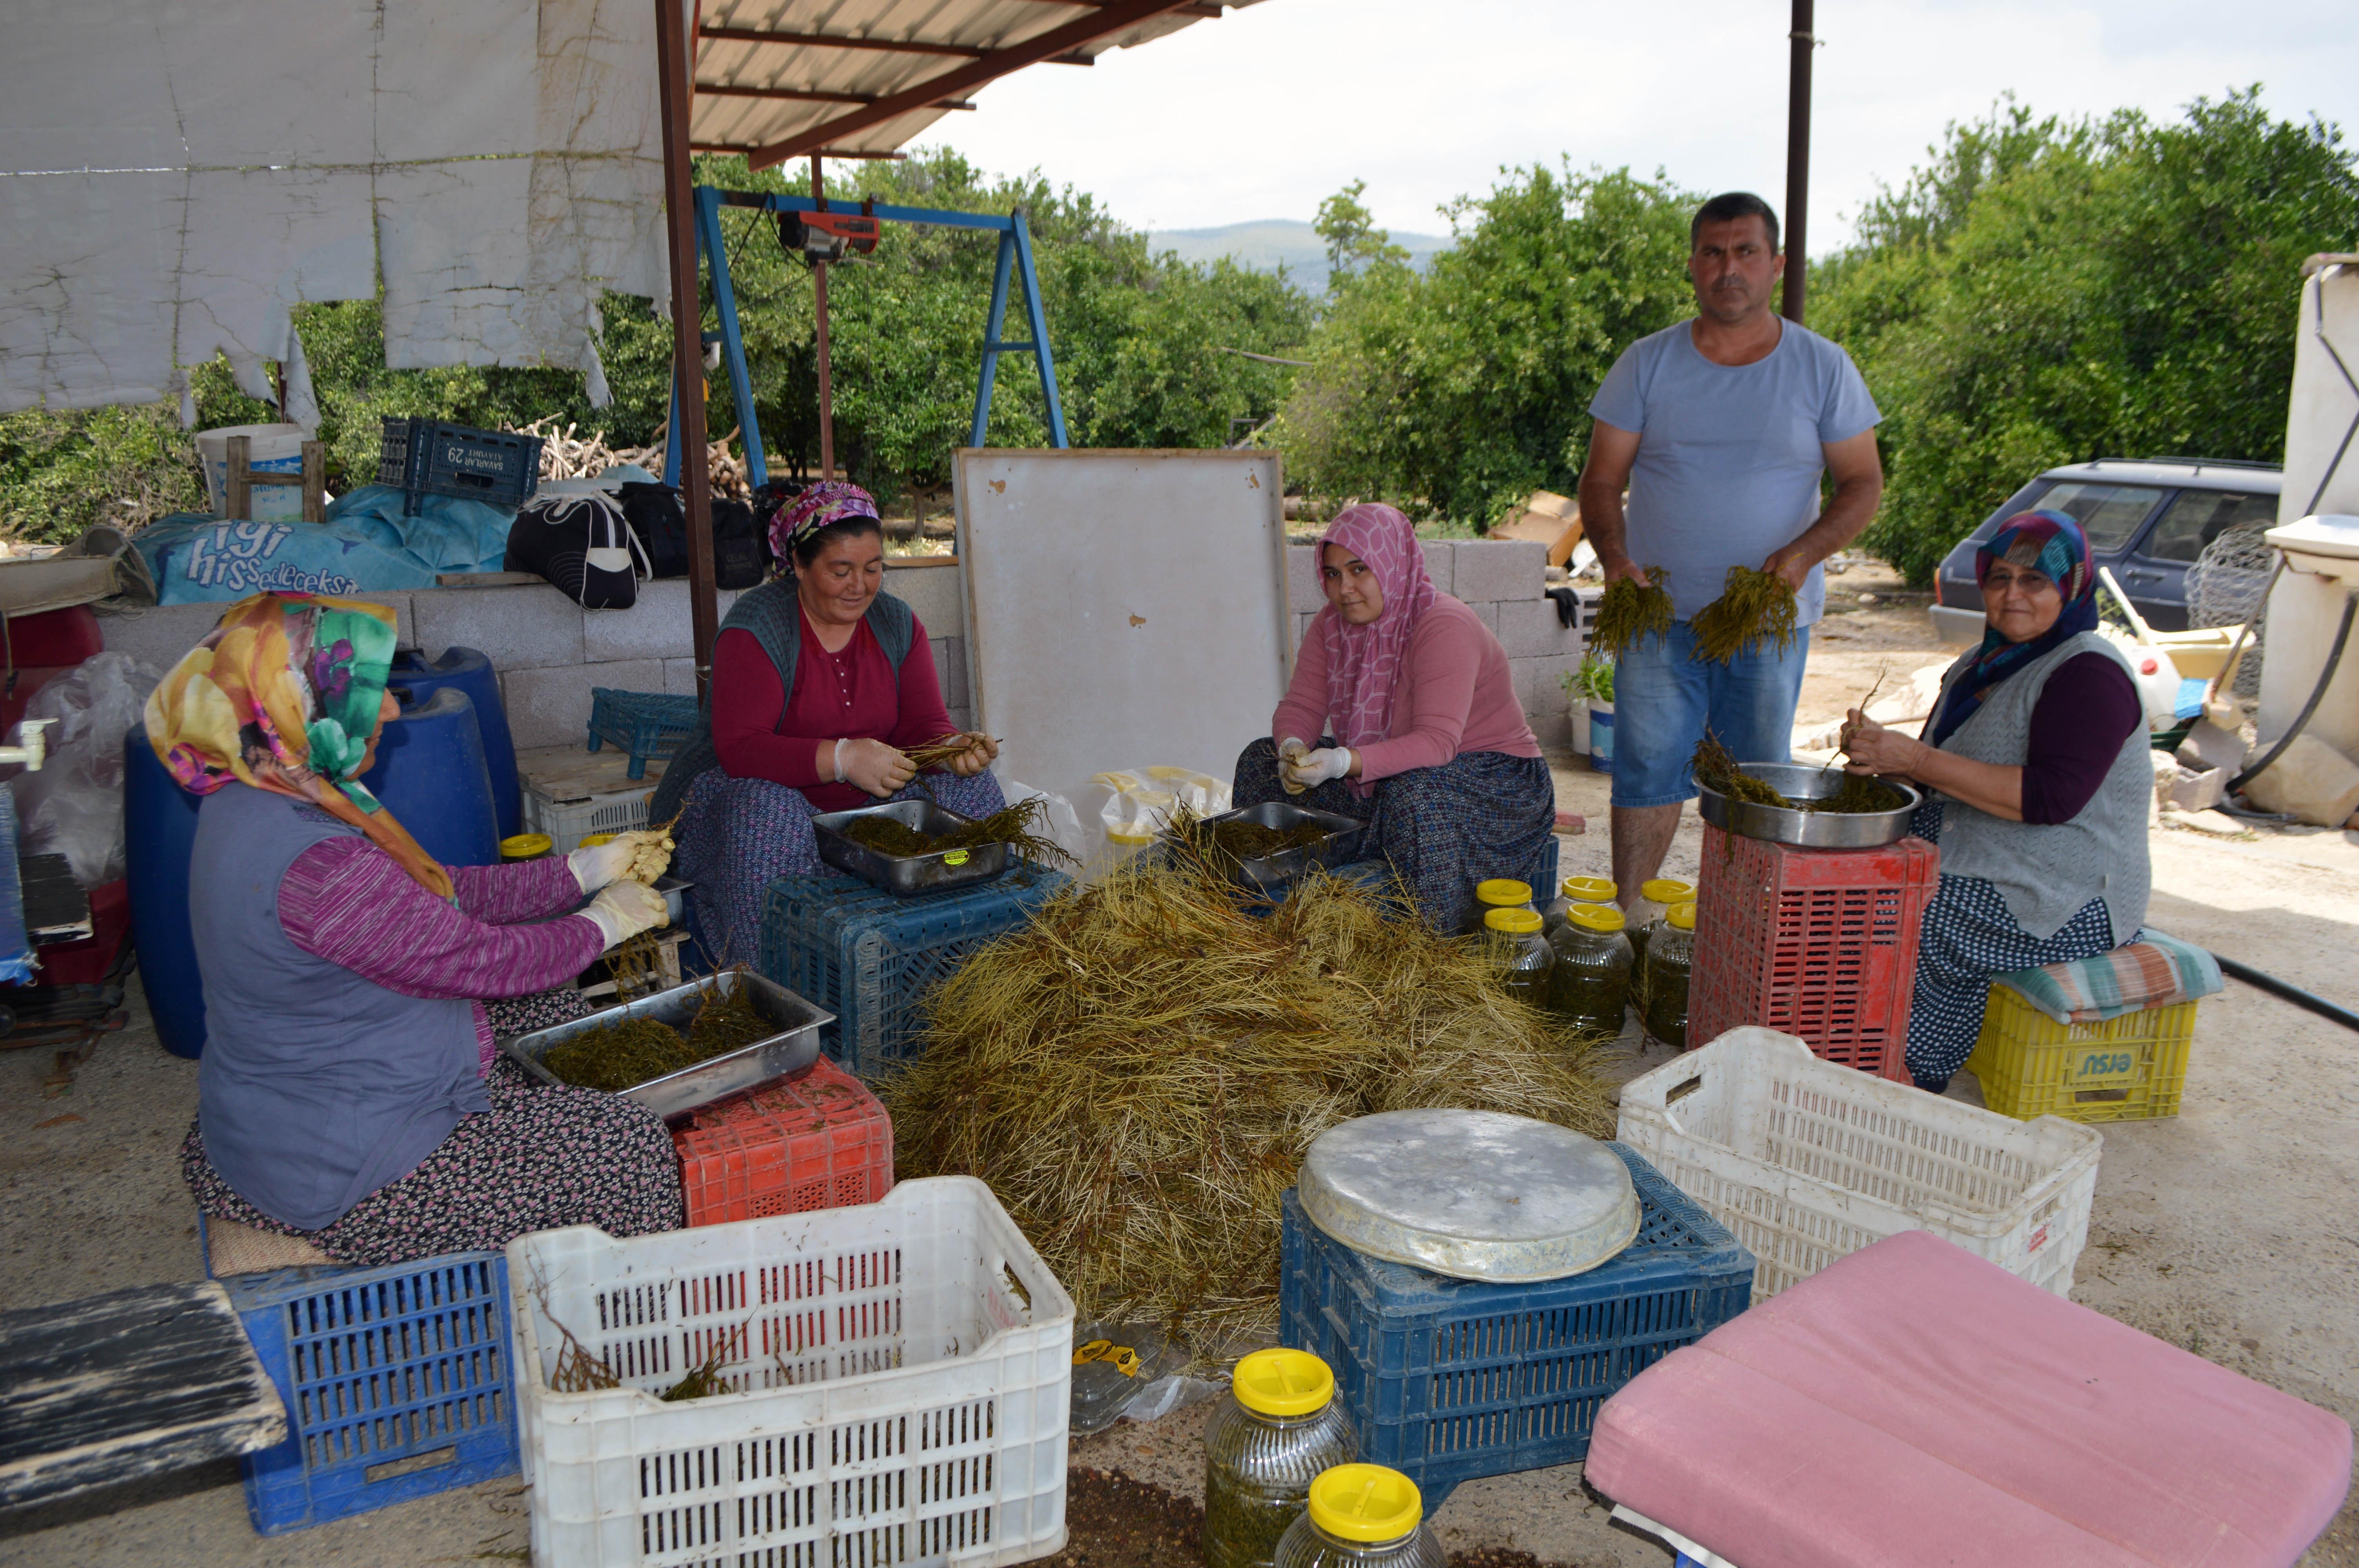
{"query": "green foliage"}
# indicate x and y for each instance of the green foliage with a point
(2048, 291)
(1459, 391)
(1354, 244)
(62, 471)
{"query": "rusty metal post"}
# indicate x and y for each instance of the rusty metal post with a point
(673, 65)
(1798, 164)
(826, 380)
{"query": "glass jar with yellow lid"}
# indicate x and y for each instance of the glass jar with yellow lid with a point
(1362, 1516)
(1520, 956)
(1572, 890)
(1655, 895)
(1496, 892)
(1671, 959)
(1590, 984)
(1279, 1429)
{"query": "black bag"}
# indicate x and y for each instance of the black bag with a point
(654, 515)
(741, 545)
(582, 544)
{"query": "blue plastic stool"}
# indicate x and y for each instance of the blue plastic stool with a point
(159, 828)
(472, 673)
(430, 775)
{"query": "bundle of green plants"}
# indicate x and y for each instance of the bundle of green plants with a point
(1751, 606)
(629, 1052)
(1629, 611)
(1019, 826)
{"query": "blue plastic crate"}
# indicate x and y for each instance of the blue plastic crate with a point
(652, 726)
(1448, 1380)
(869, 958)
(432, 457)
(397, 1383)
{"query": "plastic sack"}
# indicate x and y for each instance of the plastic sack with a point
(73, 806)
(367, 545)
(1140, 802)
(1065, 824)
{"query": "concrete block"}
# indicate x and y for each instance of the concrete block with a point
(1302, 592)
(159, 634)
(1487, 613)
(1540, 688)
(550, 705)
(679, 676)
(949, 669)
(405, 631)
(961, 719)
(1553, 734)
(657, 627)
(933, 593)
(1528, 628)
(523, 628)
(1486, 569)
(1438, 564)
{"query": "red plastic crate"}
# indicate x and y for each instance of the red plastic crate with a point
(820, 1140)
(1818, 943)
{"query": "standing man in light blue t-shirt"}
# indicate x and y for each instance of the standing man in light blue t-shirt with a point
(1720, 428)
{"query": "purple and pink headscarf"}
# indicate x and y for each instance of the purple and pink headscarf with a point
(2052, 544)
(827, 501)
(1365, 663)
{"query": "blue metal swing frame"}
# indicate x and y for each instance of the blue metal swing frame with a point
(1014, 266)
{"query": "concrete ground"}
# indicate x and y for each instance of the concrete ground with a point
(2226, 1230)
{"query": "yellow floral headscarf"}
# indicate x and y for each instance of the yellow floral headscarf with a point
(283, 695)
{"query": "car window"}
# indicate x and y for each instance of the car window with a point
(2199, 516)
(2108, 513)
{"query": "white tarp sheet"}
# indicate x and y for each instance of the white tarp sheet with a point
(173, 179)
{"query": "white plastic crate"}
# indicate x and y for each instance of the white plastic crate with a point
(1807, 1161)
(901, 1371)
(568, 822)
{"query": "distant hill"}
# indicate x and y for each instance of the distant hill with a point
(1268, 243)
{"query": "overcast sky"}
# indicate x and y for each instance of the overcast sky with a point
(1264, 112)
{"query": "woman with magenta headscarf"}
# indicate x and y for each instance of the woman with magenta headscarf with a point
(820, 680)
(2038, 783)
(1429, 745)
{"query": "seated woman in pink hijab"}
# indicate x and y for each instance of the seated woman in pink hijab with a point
(1402, 713)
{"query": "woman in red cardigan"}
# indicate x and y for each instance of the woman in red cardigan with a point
(821, 683)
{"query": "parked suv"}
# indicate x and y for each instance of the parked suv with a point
(2146, 518)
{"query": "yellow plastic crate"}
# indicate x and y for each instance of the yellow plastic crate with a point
(2129, 1068)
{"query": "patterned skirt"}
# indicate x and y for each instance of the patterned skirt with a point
(737, 835)
(542, 1156)
(1479, 814)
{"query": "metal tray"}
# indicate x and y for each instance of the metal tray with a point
(906, 876)
(1813, 830)
(1275, 873)
(791, 1050)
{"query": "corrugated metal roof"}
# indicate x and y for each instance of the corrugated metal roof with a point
(777, 78)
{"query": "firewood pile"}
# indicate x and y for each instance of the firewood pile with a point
(565, 454)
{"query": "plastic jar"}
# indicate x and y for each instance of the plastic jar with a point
(1498, 893)
(1654, 896)
(1519, 955)
(525, 846)
(1576, 890)
(1590, 984)
(1279, 1432)
(1671, 959)
(1362, 1516)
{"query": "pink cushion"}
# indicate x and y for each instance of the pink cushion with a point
(1914, 1404)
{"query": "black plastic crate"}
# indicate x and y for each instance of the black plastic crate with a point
(429, 457)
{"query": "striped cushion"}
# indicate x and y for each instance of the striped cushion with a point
(2155, 970)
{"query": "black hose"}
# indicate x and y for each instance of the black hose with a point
(2317, 695)
(2290, 993)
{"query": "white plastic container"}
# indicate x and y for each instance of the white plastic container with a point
(568, 822)
(1807, 1161)
(900, 1372)
(277, 449)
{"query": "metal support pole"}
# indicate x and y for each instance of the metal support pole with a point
(1798, 164)
(1037, 322)
(826, 380)
(733, 336)
(673, 63)
(993, 323)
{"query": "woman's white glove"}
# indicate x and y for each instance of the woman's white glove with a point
(875, 766)
(597, 865)
(623, 909)
(1290, 752)
(1315, 768)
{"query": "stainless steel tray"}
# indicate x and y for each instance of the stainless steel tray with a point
(906, 876)
(792, 1049)
(1814, 829)
(1273, 875)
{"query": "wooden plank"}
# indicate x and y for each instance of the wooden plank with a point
(487, 579)
(315, 481)
(133, 1383)
(240, 485)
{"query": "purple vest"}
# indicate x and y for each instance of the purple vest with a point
(317, 1086)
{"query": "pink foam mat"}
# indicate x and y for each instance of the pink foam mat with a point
(1914, 1404)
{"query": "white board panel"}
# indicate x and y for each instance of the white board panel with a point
(1124, 608)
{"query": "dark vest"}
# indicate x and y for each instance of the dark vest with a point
(775, 616)
(317, 1086)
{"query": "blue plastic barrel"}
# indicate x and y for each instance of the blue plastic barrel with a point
(159, 828)
(472, 673)
(429, 774)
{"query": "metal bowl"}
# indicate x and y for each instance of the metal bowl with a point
(906, 876)
(792, 1049)
(1814, 829)
(1271, 875)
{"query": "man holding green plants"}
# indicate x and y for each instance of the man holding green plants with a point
(1720, 427)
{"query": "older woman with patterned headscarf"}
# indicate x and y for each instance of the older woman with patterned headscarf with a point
(349, 1093)
(2037, 786)
(1429, 745)
(820, 680)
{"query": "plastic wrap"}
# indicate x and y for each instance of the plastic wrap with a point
(73, 806)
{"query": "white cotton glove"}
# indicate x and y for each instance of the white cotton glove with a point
(601, 865)
(1290, 751)
(1315, 768)
(623, 909)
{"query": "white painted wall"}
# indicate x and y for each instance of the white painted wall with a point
(2305, 610)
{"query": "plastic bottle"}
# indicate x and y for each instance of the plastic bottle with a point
(1519, 955)
(1279, 1432)
(1361, 1516)
(1590, 986)
(1575, 890)
(1498, 893)
(1654, 896)
(1671, 957)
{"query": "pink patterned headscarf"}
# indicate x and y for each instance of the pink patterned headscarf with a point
(829, 501)
(1363, 663)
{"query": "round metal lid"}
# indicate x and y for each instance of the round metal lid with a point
(1475, 1195)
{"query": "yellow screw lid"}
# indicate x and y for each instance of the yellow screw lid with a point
(1663, 890)
(1283, 1382)
(1504, 890)
(1681, 915)
(593, 840)
(1516, 922)
(1366, 1503)
(526, 847)
(1588, 890)
(1594, 917)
